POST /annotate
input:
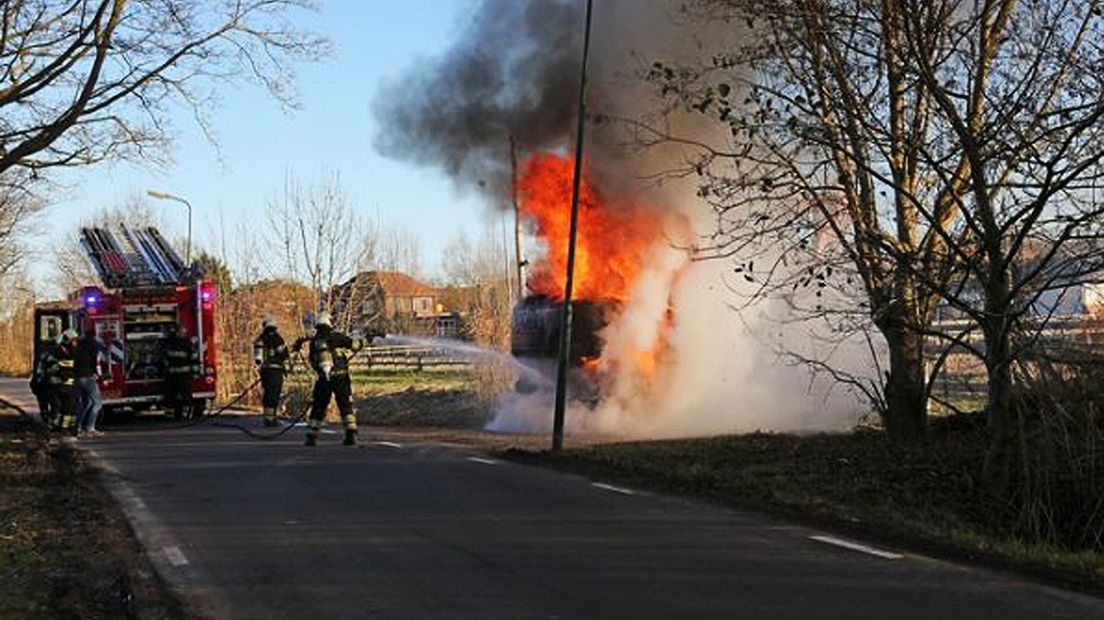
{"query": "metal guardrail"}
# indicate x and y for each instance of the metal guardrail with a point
(415, 358)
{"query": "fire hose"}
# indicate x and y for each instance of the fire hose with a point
(14, 407)
(274, 434)
(213, 417)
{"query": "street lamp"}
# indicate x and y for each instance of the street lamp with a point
(167, 196)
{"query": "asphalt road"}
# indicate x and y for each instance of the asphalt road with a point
(404, 529)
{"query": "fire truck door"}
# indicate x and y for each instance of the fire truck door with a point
(48, 326)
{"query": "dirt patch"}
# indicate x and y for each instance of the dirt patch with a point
(66, 550)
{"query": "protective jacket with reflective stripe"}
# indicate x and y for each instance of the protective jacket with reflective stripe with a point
(56, 365)
(332, 349)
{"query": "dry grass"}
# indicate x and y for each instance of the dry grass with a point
(65, 549)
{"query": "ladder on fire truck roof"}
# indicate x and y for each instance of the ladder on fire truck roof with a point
(143, 259)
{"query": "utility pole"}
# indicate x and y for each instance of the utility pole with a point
(519, 263)
(565, 316)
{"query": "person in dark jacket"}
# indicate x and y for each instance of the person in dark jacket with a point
(40, 386)
(59, 378)
(270, 354)
(87, 369)
(182, 366)
(329, 357)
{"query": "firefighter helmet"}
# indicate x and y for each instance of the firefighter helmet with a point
(67, 335)
(322, 318)
(269, 321)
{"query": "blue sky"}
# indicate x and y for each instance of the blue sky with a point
(373, 40)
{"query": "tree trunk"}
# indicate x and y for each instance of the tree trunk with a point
(906, 414)
(996, 472)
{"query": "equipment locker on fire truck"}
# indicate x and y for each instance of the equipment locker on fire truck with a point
(146, 291)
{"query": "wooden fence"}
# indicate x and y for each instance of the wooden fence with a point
(409, 358)
(1071, 341)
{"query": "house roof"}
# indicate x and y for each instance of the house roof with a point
(395, 283)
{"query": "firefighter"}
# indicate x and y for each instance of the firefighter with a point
(39, 386)
(183, 365)
(270, 354)
(329, 357)
(59, 380)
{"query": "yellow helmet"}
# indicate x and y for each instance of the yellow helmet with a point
(323, 318)
(269, 321)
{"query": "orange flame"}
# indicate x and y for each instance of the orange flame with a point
(611, 241)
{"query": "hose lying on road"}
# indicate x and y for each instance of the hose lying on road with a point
(271, 435)
(14, 407)
(249, 431)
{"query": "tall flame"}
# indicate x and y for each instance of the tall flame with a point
(611, 240)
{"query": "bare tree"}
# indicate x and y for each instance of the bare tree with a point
(464, 263)
(322, 240)
(17, 204)
(950, 150)
(1018, 90)
(400, 250)
(836, 174)
(89, 80)
(477, 285)
(16, 323)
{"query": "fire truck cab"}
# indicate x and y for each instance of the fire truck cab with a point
(147, 291)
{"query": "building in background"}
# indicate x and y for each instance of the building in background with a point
(394, 303)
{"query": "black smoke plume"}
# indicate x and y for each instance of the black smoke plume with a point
(513, 73)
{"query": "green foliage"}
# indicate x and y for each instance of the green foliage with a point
(217, 271)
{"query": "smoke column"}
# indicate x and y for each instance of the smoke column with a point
(514, 71)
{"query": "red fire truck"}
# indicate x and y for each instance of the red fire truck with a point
(146, 291)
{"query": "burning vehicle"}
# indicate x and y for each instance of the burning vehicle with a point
(535, 338)
(535, 328)
(613, 335)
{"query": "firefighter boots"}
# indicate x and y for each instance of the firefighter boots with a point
(350, 437)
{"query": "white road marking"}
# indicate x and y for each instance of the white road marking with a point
(853, 546)
(389, 444)
(479, 459)
(175, 556)
(610, 487)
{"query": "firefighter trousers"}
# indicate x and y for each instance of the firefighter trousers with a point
(178, 393)
(45, 408)
(272, 387)
(340, 388)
